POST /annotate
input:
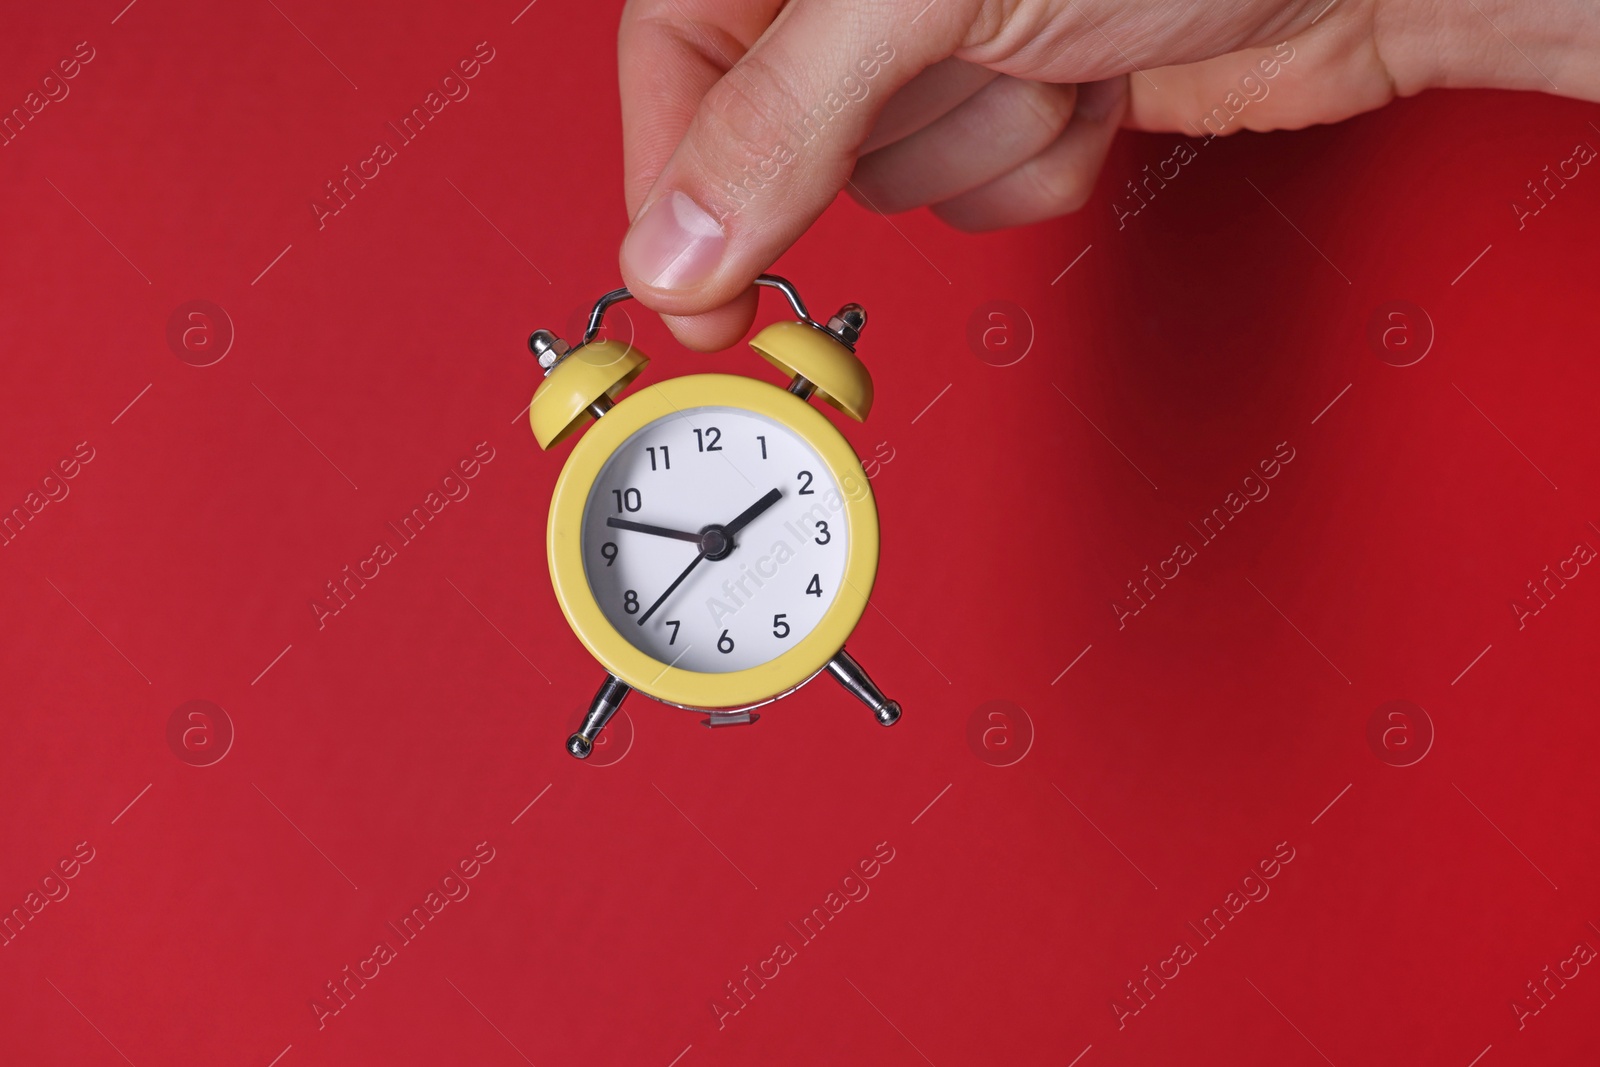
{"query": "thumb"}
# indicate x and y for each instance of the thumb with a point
(773, 142)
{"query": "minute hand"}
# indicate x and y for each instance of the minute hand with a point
(748, 515)
(668, 592)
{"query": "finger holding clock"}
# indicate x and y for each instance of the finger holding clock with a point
(714, 331)
(670, 54)
(694, 247)
(673, 53)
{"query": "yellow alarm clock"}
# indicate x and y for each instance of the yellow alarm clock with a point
(712, 539)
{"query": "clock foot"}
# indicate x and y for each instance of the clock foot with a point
(851, 675)
(606, 702)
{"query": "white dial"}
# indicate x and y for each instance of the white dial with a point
(715, 539)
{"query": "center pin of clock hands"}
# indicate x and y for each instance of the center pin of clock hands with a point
(715, 541)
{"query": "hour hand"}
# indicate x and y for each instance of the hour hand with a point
(748, 515)
(659, 531)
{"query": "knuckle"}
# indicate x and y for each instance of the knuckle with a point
(1048, 106)
(665, 21)
(1060, 189)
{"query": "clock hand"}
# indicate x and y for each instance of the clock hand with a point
(749, 514)
(675, 583)
(659, 531)
(721, 541)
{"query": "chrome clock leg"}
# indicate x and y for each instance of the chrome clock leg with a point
(606, 702)
(850, 675)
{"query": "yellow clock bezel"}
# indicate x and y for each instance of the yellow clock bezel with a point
(697, 689)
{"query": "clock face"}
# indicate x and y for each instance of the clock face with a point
(715, 539)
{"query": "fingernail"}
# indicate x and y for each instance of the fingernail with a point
(674, 244)
(1097, 100)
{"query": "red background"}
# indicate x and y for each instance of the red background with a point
(1176, 753)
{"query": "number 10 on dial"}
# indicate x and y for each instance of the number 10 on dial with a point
(712, 538)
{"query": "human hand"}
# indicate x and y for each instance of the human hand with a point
(743, 119)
